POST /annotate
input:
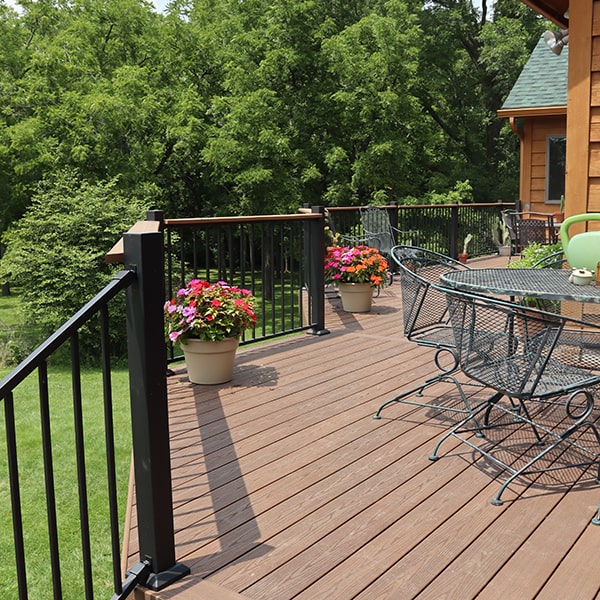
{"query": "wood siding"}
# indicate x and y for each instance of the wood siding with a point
(582, 153)
(533, 161)
(593, 204)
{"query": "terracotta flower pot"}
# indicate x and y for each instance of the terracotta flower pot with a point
(462, 257)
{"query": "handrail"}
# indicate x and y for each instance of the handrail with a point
(246, 219)
(119, 282)
(116, 253)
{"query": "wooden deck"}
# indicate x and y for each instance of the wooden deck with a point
(285, 487)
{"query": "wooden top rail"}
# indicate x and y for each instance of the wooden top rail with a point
(245, 219)
(116, 254)
(421, 206)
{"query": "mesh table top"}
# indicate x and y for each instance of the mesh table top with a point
(551, 284)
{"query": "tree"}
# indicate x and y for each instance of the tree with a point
(259, 106)
(80, 91)
(468, 66)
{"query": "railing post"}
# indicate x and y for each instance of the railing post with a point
(454, 232)
(156, 215)
(315, 243)
(143, 252)
(393, 216)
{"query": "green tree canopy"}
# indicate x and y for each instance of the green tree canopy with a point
(228, 107)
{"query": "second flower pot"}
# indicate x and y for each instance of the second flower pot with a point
(356, 297)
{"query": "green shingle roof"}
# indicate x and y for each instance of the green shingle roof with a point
(543, 80)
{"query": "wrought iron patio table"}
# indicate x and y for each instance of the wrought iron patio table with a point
(575, 349)
(548, 284)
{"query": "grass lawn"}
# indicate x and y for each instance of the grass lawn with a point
(9, 310)
(33, 496)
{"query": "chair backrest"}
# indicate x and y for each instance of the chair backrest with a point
(556, 260)
(377, 228)
(508, 220)
(424, 307)
(532, 227)
(509, 347)
(337, 237)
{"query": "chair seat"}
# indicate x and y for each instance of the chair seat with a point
(426, 322)
(519, 354)
(437, 337)
(513, 377)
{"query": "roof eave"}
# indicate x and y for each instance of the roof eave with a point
(549, 10)
(535, 111)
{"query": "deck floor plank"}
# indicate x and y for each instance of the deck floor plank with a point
(285, 487)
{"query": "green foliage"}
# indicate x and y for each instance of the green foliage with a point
(257, 107)
(533, 253)
(55, 253)
(16, 339)
(468, 66)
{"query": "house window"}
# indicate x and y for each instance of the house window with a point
(556, 149)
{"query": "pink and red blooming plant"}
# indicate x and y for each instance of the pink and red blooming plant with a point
(212, 312)
(359, 264)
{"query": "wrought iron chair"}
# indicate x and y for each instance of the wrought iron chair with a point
(519, 353)
(508, 221)
(581, 345)
(530, 227)
(380, 233)
(337, 237)
(426, 319)
(556, 260)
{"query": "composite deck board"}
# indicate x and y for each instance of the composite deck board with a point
(285, 487)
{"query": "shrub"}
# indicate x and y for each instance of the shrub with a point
(55, 253)
(533, 253)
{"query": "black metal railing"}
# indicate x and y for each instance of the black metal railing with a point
(142, 281)
(279, 258)
(441, 227)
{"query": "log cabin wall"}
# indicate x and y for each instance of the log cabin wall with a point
(594, 136)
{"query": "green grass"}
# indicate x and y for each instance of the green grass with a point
(31, 474)
(9, 310)
(17, 337)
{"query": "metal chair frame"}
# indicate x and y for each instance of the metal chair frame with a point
(381, 233)
(585, 341)
(527, 227)
(347, 239)
(519, 352)
(426, 320)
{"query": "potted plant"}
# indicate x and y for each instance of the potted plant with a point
(357, 271)
(208, 320)
(463, 256)
(501, 237)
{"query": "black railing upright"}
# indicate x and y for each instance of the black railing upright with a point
(441, 227)
(279, 258)
(143, 280)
